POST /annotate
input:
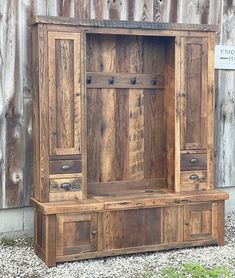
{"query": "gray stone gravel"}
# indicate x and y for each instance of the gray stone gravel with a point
(20, 261)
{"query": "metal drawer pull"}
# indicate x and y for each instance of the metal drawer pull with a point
(65, 167)
(194, 160)
(194, 177)
(94, 232)
(66, 185)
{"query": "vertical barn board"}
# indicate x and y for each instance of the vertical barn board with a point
(82, 8)
(122, 111)
(94, 64)
(168, 10)
(65, 8)
(225, 149)
(115, 9)
(154, 126)
(140, 10)
(136, 114)
(26, 30)
(12, 129)
(45, 7)
(195, 11)
(97, 9)
(108, 96)
(2, 113)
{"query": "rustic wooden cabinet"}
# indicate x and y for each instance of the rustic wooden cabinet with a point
(123, 138)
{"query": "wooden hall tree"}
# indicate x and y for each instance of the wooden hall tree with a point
(123, 138)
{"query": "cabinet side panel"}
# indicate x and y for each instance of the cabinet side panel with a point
(210, 112)
(43, 113)
(36, 125)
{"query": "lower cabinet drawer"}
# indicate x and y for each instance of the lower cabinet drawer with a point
(76, 233)
(65, 189)
(193, 180)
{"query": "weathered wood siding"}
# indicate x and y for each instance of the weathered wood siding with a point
(16, 166)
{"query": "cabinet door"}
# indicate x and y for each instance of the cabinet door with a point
(76, 233)
(198, 221)
(194, 93)
(64, 93)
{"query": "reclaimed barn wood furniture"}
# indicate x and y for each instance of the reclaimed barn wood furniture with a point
(123, 138)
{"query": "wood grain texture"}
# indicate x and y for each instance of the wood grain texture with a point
(64, 93)
(194, 91)
(204, 11)
(225, 120)
(131, 230)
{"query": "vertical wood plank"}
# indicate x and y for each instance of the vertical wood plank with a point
(94, 109)
(225, 117)
(82, 8)
(178, 108)
(140, 10)
(97, 9)
(43, 114)
(65, 8)
(26, 31)
(108, 99)
(136, 114)
(116, 9)
(83, 108)
(12, 117)
(154, 120)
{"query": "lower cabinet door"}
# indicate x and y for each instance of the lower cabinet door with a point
(198, 221)
(76, 233)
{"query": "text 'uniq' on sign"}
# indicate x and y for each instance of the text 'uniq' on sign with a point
(225, 57)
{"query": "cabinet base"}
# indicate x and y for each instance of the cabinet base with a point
(84, 229)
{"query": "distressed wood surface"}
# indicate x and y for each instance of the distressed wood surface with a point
(16, 162)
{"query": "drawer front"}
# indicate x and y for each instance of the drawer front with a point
(65, 166)
(193, 180)
(66, 185)
(194, 161)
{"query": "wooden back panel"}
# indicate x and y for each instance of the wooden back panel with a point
(126, 126)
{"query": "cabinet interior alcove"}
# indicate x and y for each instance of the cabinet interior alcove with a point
(130, 140)
(123, 138)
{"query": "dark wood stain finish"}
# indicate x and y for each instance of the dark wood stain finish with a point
(122, 136)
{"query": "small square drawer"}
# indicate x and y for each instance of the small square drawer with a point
(194, 180)
(65, 166)
(66, 185)
(196, 161)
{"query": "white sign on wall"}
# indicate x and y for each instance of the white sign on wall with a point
(224, 57)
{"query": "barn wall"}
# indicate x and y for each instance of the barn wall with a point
(16, 164)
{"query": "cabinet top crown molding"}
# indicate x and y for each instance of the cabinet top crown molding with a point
(75, 21)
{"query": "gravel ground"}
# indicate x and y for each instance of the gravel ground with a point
(20, 261)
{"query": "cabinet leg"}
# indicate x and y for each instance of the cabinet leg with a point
(50, 237)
